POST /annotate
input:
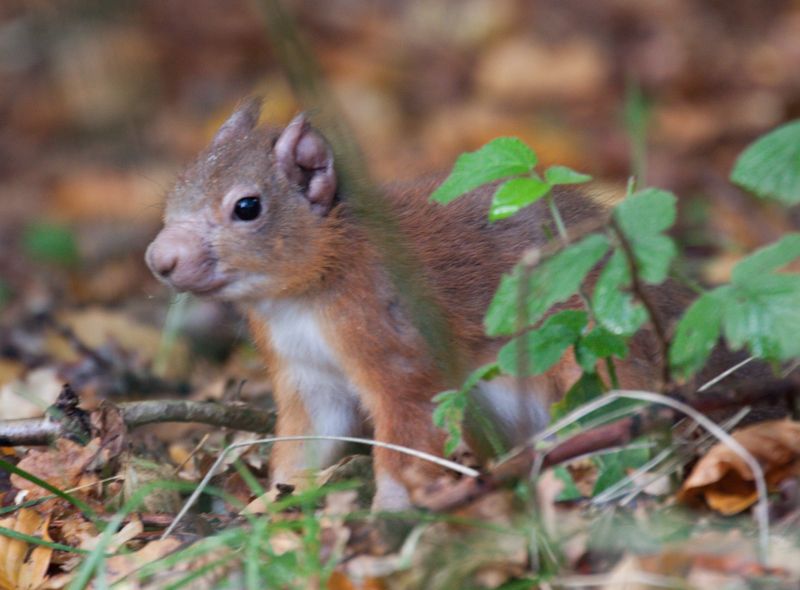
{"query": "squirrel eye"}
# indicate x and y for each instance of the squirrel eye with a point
(247, 208)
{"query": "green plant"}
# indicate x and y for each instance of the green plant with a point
(757, 311)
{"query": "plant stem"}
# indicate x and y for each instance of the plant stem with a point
(641, 294)
(562, 230)
(612, 372)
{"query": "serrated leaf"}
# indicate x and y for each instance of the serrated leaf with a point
(646, 212)
(654, 255)
(449, 415)
(590, 386)
(764, 316)
(770, 167)
(554, 280)
(697, 333)
(767, 259)
(613, 308)
(544, 346)
(500, 158)
(642, 217)
(562, 175)
(515, 194)
(599, 344)
(452, 404)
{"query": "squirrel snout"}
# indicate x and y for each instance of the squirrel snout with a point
(161, 260)
(179, 257)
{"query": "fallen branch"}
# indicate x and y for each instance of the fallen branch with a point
(59, 422)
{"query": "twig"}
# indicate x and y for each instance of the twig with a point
(29, 432)
(641, 294)
(43, 431)
(236, 417)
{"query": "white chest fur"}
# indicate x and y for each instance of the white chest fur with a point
(310, 368)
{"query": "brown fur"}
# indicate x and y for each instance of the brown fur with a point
(325, 263)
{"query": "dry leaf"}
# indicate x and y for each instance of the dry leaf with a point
(21, 567)
(96, 326)
(120, 566)
(724, 479)
(62, 466)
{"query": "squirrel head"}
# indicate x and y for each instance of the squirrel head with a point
(253, 216)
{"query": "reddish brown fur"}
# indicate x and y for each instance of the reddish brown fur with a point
(325, 264)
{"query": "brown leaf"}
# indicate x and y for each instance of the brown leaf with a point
(724, 479)
(20, 567)
(120, 566)
(62, 466)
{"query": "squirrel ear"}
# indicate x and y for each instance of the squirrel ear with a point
(240, 123)
(305, 158)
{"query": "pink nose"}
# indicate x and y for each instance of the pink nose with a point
(161, 259)
(180, 257)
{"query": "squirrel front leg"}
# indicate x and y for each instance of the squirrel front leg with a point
(311, 400)
(384, 356)
(409, 425)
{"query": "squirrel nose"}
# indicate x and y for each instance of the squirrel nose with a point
(161, 260)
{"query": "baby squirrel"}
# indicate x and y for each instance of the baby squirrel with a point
(260, 219)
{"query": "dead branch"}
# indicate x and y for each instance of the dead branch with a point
(75, 424)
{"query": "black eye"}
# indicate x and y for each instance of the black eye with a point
(247, 208)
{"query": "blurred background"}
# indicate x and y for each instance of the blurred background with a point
(101, 103)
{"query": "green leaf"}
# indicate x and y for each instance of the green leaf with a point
(515, 194)
(615, 310)
(770, 167)
(545, 345)
(570, 491)
(646, 212)
(642, 217)
(449, 415)
(554, 280)
(563, 175)
(612, 467)
(759, 310)
(599, 344)
(767, 259)
(590, 386)
(697, 334)
(764, 316)
(500, 158)
(50, 243)
(452, 404)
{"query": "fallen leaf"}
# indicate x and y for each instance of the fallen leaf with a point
(96, 327)
(725, 480)
(21, 567)
(120, 566)
(63, 466)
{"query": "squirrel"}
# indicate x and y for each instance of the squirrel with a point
(261, 219)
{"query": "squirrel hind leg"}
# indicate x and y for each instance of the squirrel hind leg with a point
(501, 417)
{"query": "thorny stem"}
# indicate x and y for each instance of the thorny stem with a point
(638, 289)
